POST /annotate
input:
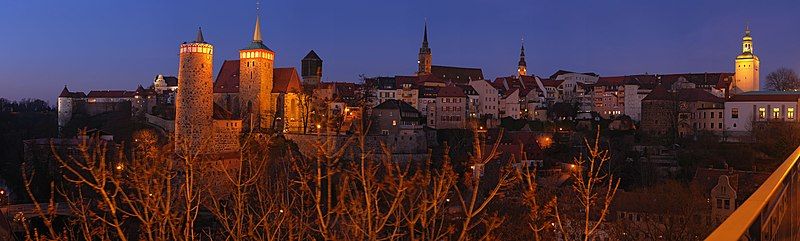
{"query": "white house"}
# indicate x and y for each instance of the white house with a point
(744, 110)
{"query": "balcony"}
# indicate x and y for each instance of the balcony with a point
(772, 212)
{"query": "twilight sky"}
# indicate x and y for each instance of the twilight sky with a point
(119, 44)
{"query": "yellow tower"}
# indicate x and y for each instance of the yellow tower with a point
(747, 64)
(194, 99)
(522, 68)
(255, 83)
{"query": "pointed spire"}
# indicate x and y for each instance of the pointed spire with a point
(64, 92)
(425, 36)
(747, 29)
(522, 50)
(200, 38)
(257, 31)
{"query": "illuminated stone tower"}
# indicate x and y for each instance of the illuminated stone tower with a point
(194, 99)
(522, 68)
(424, 60)
(747, 64)
(255, 83)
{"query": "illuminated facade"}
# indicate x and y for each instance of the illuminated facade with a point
(747, 65)
(194, 100)
(256, 64)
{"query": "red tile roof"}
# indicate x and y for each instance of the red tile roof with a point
(451, 91)
(285, 80)
(611, 81)
(110, 94)
(228, 78)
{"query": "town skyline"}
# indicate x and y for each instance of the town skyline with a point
(706, 44)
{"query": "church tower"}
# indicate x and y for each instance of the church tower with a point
(522, 68)
(311, 69)
(255, 83)
(194, 101)
(424, 60)
(746, 77)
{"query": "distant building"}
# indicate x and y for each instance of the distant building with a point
(609, 96)
(451, 108)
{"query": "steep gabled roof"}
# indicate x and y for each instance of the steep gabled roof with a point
(392, 104)
(659, 93)
(285, 80)
(228, 78)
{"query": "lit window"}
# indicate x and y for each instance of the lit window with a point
(790, 113)
(776, 113)
(762, 112)
(735, 113)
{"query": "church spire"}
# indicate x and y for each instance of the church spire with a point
(257, 31)
(425, 35)
(522, 67)
(199, 38)
(424, 60)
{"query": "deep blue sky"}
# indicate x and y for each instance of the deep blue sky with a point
(119, 44)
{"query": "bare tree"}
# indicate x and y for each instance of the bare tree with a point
(783, 79)
(594, 188)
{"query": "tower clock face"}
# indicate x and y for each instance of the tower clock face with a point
(684, 106)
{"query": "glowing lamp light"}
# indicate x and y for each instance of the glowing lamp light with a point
(119, 167)
(319, 126)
